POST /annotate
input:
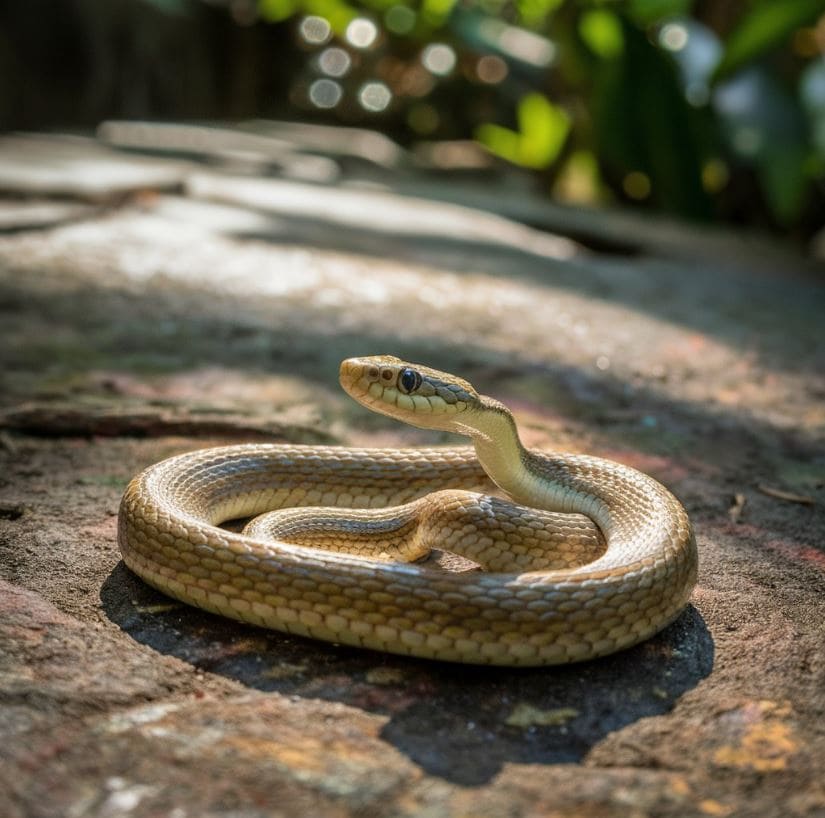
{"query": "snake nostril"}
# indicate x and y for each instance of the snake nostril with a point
(372, 373)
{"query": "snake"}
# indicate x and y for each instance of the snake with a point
(565, 557)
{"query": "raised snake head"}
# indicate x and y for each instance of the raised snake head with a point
(413, 393)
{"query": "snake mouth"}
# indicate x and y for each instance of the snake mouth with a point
(353, 377)
(360, 377)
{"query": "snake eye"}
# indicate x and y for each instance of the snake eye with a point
(408, 380)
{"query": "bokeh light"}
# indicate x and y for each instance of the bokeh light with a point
(315, 30)
(400, 19)
(325, 93)
(673, 36)
(361, 32)
(517, 43)
(491, 69)
(636, 185)
(407, 79)
(244, 12)
(715, 175)
(374, 96)
(335, 62)
(439, 59)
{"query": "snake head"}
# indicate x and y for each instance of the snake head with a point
(413, 393)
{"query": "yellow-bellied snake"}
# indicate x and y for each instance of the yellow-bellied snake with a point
(587, 557)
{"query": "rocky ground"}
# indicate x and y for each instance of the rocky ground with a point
(154, 304)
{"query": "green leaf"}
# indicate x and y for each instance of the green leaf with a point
(437, 12)
(601, 30)
(765, 27)
(534, 13)
(337, 13)
(273, 11)
(543, 129)
(501, 141)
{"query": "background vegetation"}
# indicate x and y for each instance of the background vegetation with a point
(707, 110)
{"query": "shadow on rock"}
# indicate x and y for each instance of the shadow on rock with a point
(458, 722)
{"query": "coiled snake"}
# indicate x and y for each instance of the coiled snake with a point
(586, 558)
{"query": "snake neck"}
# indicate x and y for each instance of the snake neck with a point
(499, 448)
(524, 475)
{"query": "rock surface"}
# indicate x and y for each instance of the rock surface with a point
(217, 311)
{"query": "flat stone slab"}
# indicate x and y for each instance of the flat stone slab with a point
(216, 312)
(35, 165)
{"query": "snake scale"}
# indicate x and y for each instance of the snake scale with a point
(582, 558)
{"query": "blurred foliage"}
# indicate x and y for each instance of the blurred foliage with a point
(704, 110)
(543, 129)
(765, 27)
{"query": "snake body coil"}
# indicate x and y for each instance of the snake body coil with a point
(589, 558)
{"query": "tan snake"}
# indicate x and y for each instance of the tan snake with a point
(588, 557)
